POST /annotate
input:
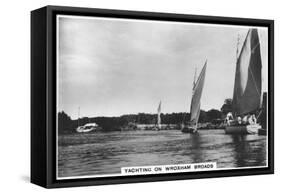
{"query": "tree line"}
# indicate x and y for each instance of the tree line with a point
(67, 125)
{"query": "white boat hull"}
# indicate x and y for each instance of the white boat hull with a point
(242, 129)
(82, 130)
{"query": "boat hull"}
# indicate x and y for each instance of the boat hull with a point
(262, 132)
(242, 129)
(156, 128)
(188, 130)
(83, 130)
(79, 130)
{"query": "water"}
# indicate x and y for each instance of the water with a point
(105, 153)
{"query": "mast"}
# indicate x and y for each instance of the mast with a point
(193, 87)
(194, 80)
(237, 55)
(78, 116)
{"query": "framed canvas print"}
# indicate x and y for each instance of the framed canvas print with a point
(126, 96)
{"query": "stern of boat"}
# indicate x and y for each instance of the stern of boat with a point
(188, 130)
(242, 129)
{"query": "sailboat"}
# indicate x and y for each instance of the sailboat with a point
(195, 102)
(87, 127)
(79, 128)
(158, 126)
(247, 87)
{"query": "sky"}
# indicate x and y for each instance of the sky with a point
(111, 67)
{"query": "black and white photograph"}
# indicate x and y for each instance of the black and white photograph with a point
(140, 97)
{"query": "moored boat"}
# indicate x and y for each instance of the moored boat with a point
(247, 87)
(87, 128)
(195, 102)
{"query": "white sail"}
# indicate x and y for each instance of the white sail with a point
(196, 97)
(159, 116)
(247, 86)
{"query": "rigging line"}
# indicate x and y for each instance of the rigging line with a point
(254, 81)
(259, 114)
(253, 49)
(184, 115)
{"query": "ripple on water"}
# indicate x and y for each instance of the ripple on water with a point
(106, 153)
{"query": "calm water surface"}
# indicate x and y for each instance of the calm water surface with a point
(105, 153)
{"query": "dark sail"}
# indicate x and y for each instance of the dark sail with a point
(247, 86)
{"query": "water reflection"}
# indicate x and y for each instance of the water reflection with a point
(106, 153)
(240, 149)
(248, 151)
(196, 147)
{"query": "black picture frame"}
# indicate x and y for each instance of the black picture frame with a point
(43, 95)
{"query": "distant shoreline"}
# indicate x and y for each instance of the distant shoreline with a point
(141, 121)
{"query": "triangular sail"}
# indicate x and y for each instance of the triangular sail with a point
(247, 86)
(159, 115)
(196, 97)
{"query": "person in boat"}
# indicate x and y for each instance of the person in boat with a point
(229, 118)
(245, 120)
(250, 120)
(239, 120)
(254, 119)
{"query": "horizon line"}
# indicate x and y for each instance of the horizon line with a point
(137, 113)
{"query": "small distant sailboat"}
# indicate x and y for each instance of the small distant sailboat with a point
(195, 102)
(247, 86)
(158, 127)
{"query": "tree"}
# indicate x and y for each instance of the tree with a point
(214, 114)
(227, 106)
(203, 117)
(64, 123)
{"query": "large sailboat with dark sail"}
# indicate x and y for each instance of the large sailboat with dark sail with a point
(246, 101)
(195, 102)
